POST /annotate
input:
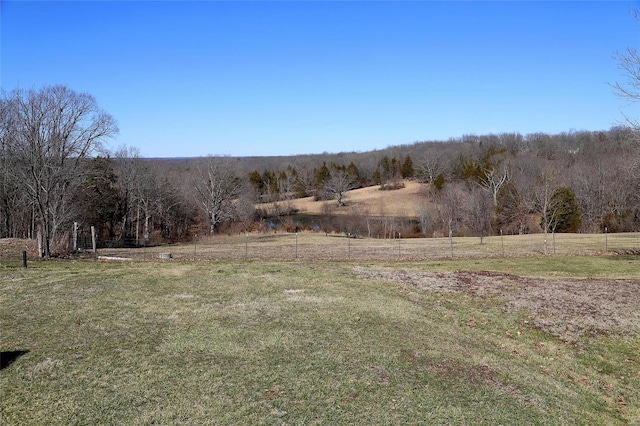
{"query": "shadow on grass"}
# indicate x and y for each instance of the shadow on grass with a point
(7, 358)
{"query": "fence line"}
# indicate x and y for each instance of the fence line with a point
(316, 246)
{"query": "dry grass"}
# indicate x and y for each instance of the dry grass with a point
(368, 201)
(566, 308)
(313, 342)
(317, 246)
(12, 248)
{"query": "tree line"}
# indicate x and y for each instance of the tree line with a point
(56, 173)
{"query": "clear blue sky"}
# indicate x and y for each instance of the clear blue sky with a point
(279, 78)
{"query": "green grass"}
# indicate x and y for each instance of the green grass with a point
(298, 343)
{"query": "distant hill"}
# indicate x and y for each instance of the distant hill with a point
(369, 201)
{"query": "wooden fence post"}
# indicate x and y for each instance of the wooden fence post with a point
(75, 237)
(93, 240)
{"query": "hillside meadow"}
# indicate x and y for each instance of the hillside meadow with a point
(402, 202)
(499, 340)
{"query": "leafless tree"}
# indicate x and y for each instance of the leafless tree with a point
(304, 182)
(129, 169)
(494, 179)
(215, 187)
(629, 64)
(478, 213)
(7, 187)
(146, 188)
(245, 210)
(548, 180)
(450, 203)
(53, 130)
(339, 184)
(430, 167)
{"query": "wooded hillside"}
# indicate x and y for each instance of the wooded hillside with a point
(56, 178)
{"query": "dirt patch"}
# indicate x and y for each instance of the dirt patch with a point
(566, 308)
(570, 309)
(475, 284)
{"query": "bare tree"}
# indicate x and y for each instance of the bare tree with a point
(547, 182)
(478, 213)
(129, 168)
(629, 64)
(339, 184)
(494, 179)
(304, 181)
(430, 167)
(245, 209)
(450, 209)
(7, 186)
(426, 214)
(53, 130)
(146, 186)
(216, 186)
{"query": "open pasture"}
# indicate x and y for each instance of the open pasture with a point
(532, 340)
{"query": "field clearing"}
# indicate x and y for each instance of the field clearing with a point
(531, 340)
(403, 202)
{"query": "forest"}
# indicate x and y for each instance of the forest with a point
(57, 177)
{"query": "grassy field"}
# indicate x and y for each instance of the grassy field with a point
(536, 340)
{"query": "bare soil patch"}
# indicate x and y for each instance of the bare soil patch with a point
(566, 308)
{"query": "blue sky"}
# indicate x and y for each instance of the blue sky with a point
(293, 77)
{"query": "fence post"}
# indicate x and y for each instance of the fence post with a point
(75, 237)
(93, 240)
(195, 246)
(24, 258)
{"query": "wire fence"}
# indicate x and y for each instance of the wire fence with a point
(314, 246)
(332, 247)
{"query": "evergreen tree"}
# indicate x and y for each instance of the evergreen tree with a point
(407, 170)
(322, 175)
(438, 183)
(564, 211)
